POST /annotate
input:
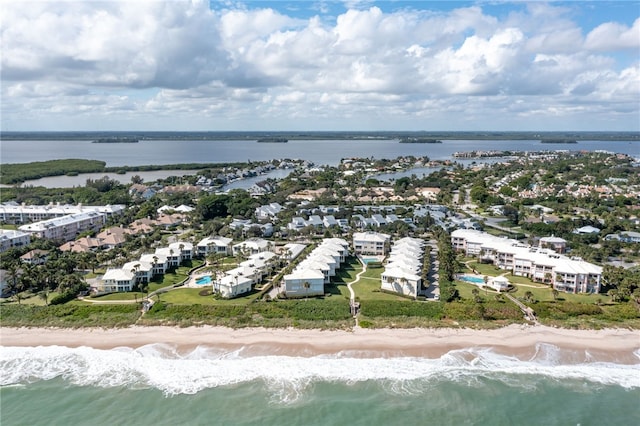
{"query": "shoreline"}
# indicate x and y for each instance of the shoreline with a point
(608, 345)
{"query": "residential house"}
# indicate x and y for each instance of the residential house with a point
(268, 211)
(557, 244)
(35, 257)
(587, 230)
(173, 256)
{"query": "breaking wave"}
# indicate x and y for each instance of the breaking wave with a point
(163, 367)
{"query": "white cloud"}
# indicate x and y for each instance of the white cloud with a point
(614, 36)
(157, 61)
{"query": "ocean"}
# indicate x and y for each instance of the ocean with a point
(159, 385)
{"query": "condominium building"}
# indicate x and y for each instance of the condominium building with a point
(10, 238)
(572, 275)
(20, 213)
(402, 274)
(66, 228)
(371, 243)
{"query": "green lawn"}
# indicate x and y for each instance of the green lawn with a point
(174, 277)
(368, 288)
(484, 268)
(540, 293)
(33, 299)
(125, 295)
(191, 296)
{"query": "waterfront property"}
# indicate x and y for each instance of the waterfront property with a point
(371, 243)
(317, 269)
(572, 275)
(143, 270)
(304, 282)
(499, 283)
(115, 280)
(402, 274)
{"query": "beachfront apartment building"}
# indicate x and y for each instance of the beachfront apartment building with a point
(184, 248)
(143, 271)
(304, 282)
(10, 238)
(571, 275)
(230, 286)
(371, 243)
(317, 269)
(17, 214)
(240, 280)
(215, 245)
(115, 280)
(251, 246)
(402, 274)
(66, 228)
(159, 263)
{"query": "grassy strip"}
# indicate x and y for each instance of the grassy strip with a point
(16, 173)
(308, 313)
(70, 315)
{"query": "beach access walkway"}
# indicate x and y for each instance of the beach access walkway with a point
(354, 305)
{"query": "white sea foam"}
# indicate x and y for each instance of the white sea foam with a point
(164, 368)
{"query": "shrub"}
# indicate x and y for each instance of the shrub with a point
(395, 308)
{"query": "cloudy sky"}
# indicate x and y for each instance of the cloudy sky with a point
(320, 65)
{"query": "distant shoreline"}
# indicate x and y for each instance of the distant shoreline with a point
(628, 136)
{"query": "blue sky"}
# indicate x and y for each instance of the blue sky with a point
(320, 65)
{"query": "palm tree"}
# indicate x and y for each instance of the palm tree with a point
(528, 296)
(44, 295)
(554, 293)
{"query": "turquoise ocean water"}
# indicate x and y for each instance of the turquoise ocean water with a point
(157, 385)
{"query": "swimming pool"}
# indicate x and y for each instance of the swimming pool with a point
(368, 260)
(203, 280)
(471, 279)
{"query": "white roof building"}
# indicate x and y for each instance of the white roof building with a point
(371, 243)
(304, 282)
(251, 246)
(214, 244)
(66, 228)
(564, 273)
(115, 280)
(20, 213)
(11, 238)
(404, 265)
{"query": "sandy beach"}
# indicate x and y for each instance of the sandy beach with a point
(518, 340)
